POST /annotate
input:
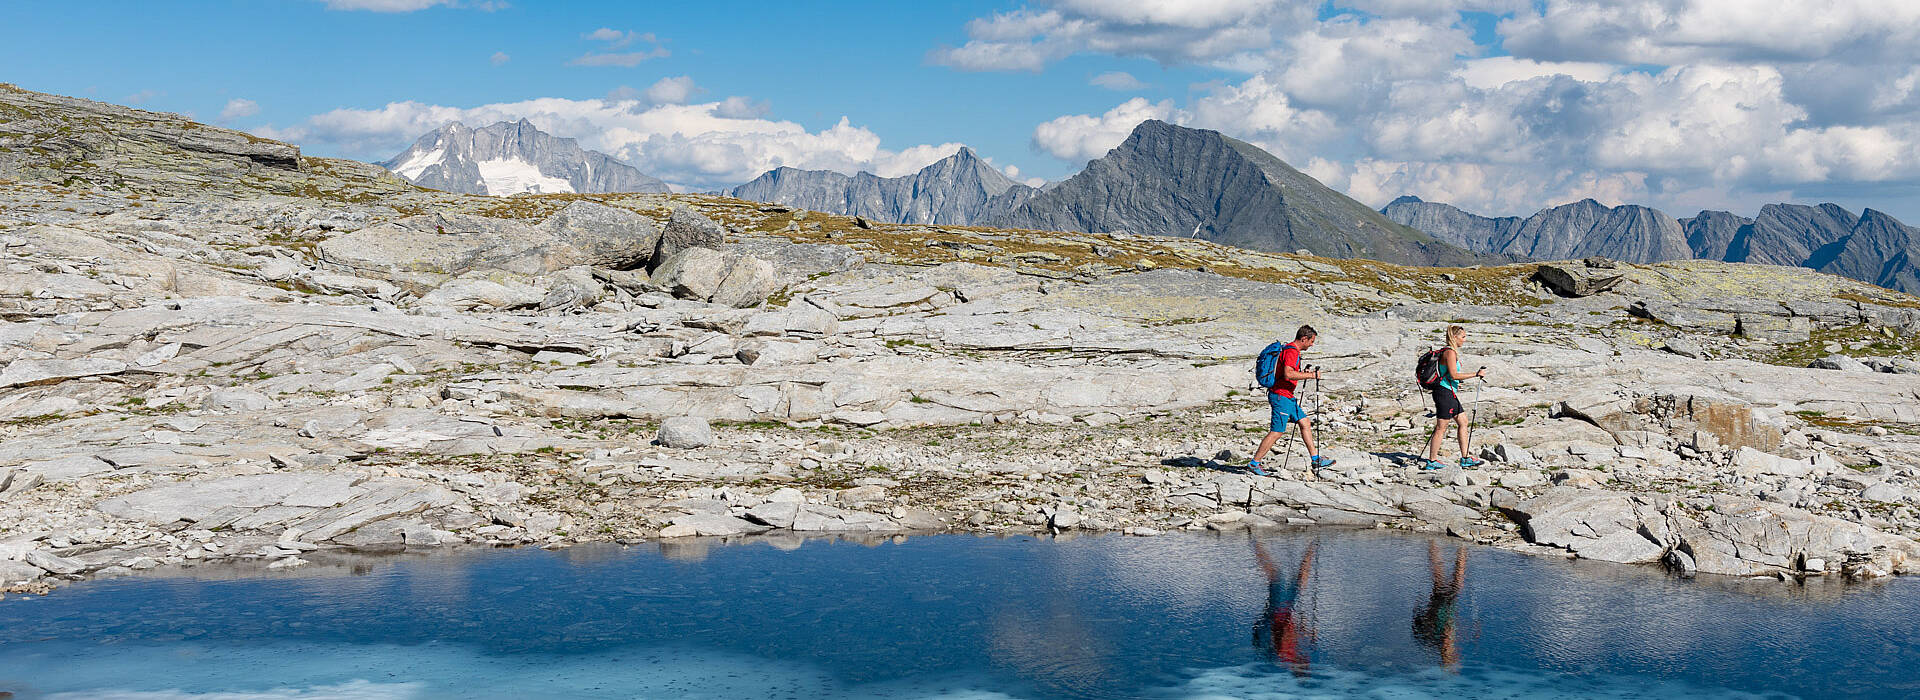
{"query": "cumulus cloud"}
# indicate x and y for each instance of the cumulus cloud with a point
(697, 146)
(499, 58)
(1080, 137)
(238, 108)
(1495, 71)
(1116, 80)
(672, 91)
(1680, 102)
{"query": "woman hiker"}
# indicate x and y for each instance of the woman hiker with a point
(1446, 402)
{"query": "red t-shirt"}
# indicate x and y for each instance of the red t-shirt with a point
(1289, 357)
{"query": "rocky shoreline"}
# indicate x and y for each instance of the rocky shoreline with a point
(224, 355)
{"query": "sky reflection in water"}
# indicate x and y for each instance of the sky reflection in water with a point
(1372, 613)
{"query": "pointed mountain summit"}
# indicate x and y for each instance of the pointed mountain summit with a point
(513, 158)
(957, 190)
(1176, 181)
(1880, 250)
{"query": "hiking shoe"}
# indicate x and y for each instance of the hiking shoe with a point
(1469, 462)
(1254, 466)
(1433, 464)
(1320, 462)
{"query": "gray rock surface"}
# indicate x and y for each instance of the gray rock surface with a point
(685, 432)
(685, 228)
(187, 378)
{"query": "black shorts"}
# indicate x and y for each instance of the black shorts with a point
(1445, 404)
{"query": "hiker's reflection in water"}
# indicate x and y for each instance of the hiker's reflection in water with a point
(1281, 629)
(1436, 625)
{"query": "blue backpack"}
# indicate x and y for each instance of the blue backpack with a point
(1266, 370)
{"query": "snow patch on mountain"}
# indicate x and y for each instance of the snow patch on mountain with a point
(507, 176)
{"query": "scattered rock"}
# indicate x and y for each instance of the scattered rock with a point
(685, 432)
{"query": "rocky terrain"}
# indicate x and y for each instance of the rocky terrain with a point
(513, 158)
(215, 348)
(1871, 247)
(958, 189)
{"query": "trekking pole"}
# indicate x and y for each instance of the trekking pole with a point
(1474, 418)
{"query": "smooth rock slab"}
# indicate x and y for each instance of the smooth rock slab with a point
(28, 372)
(194, 501)
(710, 525)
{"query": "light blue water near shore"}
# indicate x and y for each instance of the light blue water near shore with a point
(1180, 616)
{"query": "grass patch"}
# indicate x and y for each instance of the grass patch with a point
(1875, 344)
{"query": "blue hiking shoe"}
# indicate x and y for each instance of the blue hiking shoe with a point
(1469, 462)
(1254, 466)
(1432, 464)
(1320, 462)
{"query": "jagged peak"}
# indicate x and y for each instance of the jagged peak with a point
(1406, 199)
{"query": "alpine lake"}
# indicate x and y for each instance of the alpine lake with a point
(1320, 613)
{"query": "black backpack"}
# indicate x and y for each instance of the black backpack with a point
(1427, 370)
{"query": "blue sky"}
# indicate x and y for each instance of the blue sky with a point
(1501, 106)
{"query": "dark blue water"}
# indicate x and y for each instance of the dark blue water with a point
(1184, 616)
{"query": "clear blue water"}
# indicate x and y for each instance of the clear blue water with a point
(1180, 616)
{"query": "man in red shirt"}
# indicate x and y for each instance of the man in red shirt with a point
(1285, 408)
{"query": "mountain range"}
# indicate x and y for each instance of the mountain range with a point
(1871, 247)
(959, 189)
(513, 158)
(1164, 180)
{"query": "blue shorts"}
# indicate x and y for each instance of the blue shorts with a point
(1285, 411)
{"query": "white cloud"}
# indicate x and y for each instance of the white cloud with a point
(1116, 80)
(1081, 137)
(1660, 101)
(499, 58)
(143, 96)
(239, 108)
(617, 39)
(1495, 71)
(1667, 32)
(672, 91)
(696, 146)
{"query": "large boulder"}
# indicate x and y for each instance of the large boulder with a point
(1602, 525)
(685, 432)
(604, 236)
(480, 290)
(704, 274)
(1579, 279)
(421, 251)
(685, 229)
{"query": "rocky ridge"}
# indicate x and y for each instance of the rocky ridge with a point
(262, 376)
(1871, 247)
(959, 189)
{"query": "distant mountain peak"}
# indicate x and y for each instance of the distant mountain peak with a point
(959, 189)
(1172, 180)
(512, 158)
